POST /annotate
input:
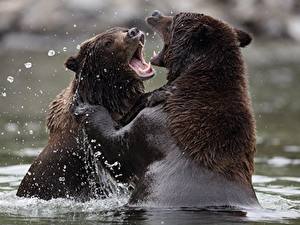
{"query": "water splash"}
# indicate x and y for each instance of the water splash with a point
(12, 205)
(101, 182)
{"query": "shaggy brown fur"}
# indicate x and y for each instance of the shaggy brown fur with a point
(197, 149)
(209, 111)
(102, 77)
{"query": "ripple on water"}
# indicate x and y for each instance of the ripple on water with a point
(278, 161)
(29, 152)
(292, 148)
(259, 179)
(274, 198)
(276, 208)
(12, 205)
(16, 170)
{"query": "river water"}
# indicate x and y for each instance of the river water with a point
(30, 80)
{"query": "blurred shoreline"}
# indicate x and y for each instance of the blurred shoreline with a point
(67, 19)
(42, 25)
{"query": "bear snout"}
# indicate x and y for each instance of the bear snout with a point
(133, 32)
(156, 14)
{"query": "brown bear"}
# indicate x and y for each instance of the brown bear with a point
(109, 71)
(196, 149)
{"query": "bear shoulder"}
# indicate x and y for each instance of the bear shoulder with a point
(59, 117)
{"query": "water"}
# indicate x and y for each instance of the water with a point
(10, 79)
(28, 65)
(51, 53)
(275, 92)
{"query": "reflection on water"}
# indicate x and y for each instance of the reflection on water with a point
(27, 89)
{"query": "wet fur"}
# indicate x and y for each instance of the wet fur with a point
(100, 78)
(210, 112)
(196, 149)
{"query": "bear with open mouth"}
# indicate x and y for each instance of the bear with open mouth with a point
(209, 111)
(197, 148)
(109, 70)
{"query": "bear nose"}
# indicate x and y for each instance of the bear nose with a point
(133, 32)
(156, 13)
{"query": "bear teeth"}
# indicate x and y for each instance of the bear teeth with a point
(141, 44)
(154, 54)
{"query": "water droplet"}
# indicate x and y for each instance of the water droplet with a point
(30, 131)
(28, 65)
(64, 49)
(4, 94)
(61, 179)
(74, 25)
(51, 52)
(93, 141)
(10, 79)
(78, 47)
(112, 165)
(97, 154)
(105, 70)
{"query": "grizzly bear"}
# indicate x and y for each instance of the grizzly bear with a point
(109, 70)
(197, 148)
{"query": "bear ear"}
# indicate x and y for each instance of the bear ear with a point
(72, 64)
(203, 31)
(243, 37)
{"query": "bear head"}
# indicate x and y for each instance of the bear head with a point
(190, 36)
(110, 68)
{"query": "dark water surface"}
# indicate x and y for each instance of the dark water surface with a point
(275, 89)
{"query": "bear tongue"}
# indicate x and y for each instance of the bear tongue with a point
(136, 63)
(144, 70)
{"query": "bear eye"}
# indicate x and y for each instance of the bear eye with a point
(108, 43)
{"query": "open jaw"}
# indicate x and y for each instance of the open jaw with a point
(158, 23)
(157, 58)
(143, 69)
